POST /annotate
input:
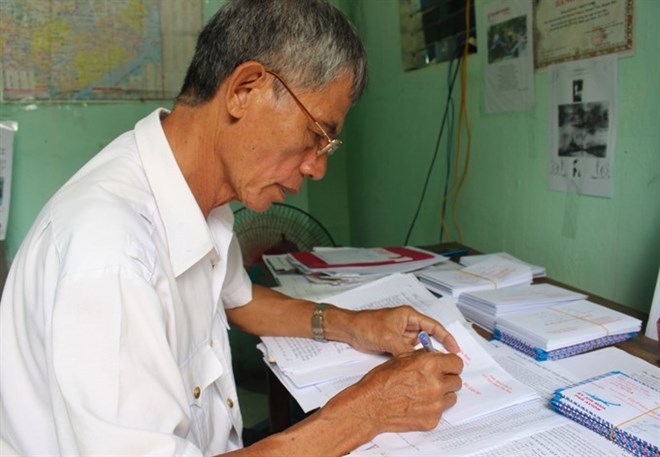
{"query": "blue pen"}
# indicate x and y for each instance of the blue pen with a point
(426, 341)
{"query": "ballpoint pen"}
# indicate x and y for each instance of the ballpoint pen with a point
(426, 341)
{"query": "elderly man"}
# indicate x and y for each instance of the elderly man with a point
(113, 322)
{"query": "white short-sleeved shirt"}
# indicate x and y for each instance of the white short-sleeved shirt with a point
(113, 333)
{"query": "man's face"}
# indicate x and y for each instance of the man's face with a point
(282, 143)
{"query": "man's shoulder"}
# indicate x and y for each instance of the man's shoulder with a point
(105, 215)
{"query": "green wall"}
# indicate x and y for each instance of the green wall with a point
(610, 247)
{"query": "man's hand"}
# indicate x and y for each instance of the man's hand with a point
(409, 392)
(388, 330)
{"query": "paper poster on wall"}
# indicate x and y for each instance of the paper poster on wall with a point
(509, 75)
(653, 324)
(567, 30)
(7, 129)
(583, 126)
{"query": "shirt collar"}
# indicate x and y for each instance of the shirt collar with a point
(186, 230)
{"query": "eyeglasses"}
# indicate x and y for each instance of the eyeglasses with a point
(333, 144)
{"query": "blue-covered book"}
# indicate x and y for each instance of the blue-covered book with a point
(617, 406)
(561, 353)
(565, 329)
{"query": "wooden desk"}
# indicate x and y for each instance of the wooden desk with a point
(282, 407)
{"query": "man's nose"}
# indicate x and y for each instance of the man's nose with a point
(314, 165)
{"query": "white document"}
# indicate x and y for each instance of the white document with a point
(543, 377)
(617, 400)
(583, 126)
(278, 264)
(546, 437)
(569, 440)
(297, 286)
(509, 62)
(467, 260)
(653, 324)
(484, 307)
(523, 297)
(7, 131)
(491, 273)
(584, 366)
(530, 428)
(566, 324)
(486, 386)
(306, 361)
(359, 256)
(315, 395)
(465, 439)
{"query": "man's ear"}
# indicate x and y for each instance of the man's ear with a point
(244, 86)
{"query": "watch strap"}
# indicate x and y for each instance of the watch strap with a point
(318, 332)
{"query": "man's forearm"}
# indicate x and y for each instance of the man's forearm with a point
(334, 430)
(271, 313)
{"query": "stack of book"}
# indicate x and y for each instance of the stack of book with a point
(619, 407)
(492, 273)
(469, 260)
(566, 329)
(484, 307)
(356, 264)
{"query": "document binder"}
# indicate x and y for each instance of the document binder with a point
(542, 355)
(617, 406)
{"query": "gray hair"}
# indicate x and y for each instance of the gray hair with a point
(310, 43)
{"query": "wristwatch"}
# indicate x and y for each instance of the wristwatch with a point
(317, 322)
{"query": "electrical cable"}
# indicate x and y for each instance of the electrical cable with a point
(450, 140)
(462, 116)
(435, 154)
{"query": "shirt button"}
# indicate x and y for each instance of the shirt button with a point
(197, 392)
(230, 402)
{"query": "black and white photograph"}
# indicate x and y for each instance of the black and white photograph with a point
(583, 129)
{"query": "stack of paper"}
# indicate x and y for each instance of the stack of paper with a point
(332, 367)
(619, 407)
(492, 273)
(487, 387)
(566, 329)
(468, 260)
(359, 264)
(484, 307)
(304, 361)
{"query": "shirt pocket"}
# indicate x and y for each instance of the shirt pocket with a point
(199, 376)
